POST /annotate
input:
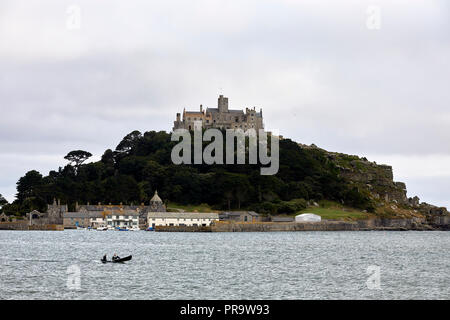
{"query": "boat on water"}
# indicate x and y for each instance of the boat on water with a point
(102, 228)
(134, 229)
(121, 260)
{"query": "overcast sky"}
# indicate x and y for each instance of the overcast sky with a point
(324, 72)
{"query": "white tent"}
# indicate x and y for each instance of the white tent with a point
(308, 217)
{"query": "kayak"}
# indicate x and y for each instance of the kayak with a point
(118, 260)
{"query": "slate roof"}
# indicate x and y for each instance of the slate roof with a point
(83, 215)
(156, 198)
(184, 215)
(239, 213)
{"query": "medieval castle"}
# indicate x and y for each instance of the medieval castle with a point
(220, 118)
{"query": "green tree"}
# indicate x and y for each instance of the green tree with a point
(3, 201)
(77, 158)
(28, 186)
(129, 142)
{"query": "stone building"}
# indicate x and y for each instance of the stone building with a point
(175, 219)
(53, 216)
(127, 219)
(4, 217)
(240, 216)
(73, 220)
(156, 204)
(221, 118)
(94, 215)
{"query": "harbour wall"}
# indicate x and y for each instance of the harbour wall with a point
(182, 229)
(443, 223)
(24, 225)
(17, 225)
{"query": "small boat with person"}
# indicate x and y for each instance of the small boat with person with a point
(115, 259)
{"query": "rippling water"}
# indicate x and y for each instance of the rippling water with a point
(284, 265)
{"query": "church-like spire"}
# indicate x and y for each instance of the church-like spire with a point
(156, 198)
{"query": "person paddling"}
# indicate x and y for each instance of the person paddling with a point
(104, 258)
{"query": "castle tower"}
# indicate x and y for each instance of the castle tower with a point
(223, 104)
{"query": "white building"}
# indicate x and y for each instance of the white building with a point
(181, 219)
(97, 221)
(123, 219)
(308, 217)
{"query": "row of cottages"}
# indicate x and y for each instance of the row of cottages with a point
(121, 216)
(134, 217)
(114, 219)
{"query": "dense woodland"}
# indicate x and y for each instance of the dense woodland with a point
(141, 164)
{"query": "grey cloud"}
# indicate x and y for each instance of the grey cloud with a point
(318, 73)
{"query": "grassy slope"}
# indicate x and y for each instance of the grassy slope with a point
(327, 210)
(336, 214)
(334, 211)
(190, 208)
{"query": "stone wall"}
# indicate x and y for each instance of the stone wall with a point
(18, 225)
(24, 225)
(48, 227)
(182, 229)
(328, 225)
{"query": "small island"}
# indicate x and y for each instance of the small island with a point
(347, 192)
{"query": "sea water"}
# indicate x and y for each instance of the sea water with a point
(266, 265)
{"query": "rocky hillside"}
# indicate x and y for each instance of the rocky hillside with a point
(378, 181)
